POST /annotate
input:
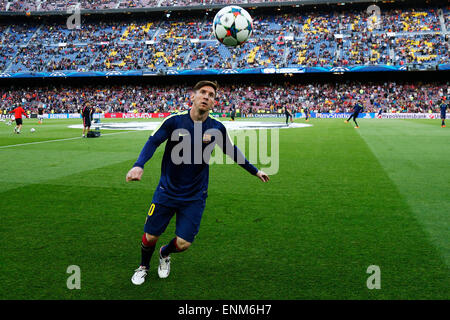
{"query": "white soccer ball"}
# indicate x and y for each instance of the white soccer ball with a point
(232, 26)
(32, 130)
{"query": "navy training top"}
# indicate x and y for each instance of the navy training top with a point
(185, 163)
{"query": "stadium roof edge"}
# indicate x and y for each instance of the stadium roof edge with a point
(304, 3)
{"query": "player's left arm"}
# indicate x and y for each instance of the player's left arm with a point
(234, 153)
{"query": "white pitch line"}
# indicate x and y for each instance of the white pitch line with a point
(37, 142)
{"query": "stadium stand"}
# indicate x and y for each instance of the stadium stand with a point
(288, 40)
(60, 5)
(250, 98)
(308, 38)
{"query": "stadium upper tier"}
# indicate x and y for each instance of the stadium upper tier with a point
(314, 39)
(61, 5)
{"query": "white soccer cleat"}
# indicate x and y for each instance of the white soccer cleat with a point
(139, 275)
(164, 266)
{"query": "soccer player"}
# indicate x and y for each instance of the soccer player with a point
(10, 116)
(443, 107)
(86, 113)
(183, 185)
(18, 118)
(356, 110)
(233, 112)
(306, 111)
(40, 113)
(288, 115)
(380, 113)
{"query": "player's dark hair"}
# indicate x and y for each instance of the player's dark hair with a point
(203, 83)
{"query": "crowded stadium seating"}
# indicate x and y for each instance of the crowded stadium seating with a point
(61, 5)
(249, 99)
(311, 39)
(319, 38)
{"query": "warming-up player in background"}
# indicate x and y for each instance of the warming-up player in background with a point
(40, 113)
(306, 111)
(233, 112)
(288, 115)
(443, 106)
(18, 117)
(86, 113)
(356, 110)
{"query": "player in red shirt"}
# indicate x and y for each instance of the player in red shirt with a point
(18, 116)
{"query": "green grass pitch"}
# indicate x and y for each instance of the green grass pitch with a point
(344, 199)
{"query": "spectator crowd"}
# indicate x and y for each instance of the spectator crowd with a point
(307, 39)
(247, 98)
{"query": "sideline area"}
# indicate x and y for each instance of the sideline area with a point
(230, 125)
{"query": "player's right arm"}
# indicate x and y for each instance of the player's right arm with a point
(161, 134)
